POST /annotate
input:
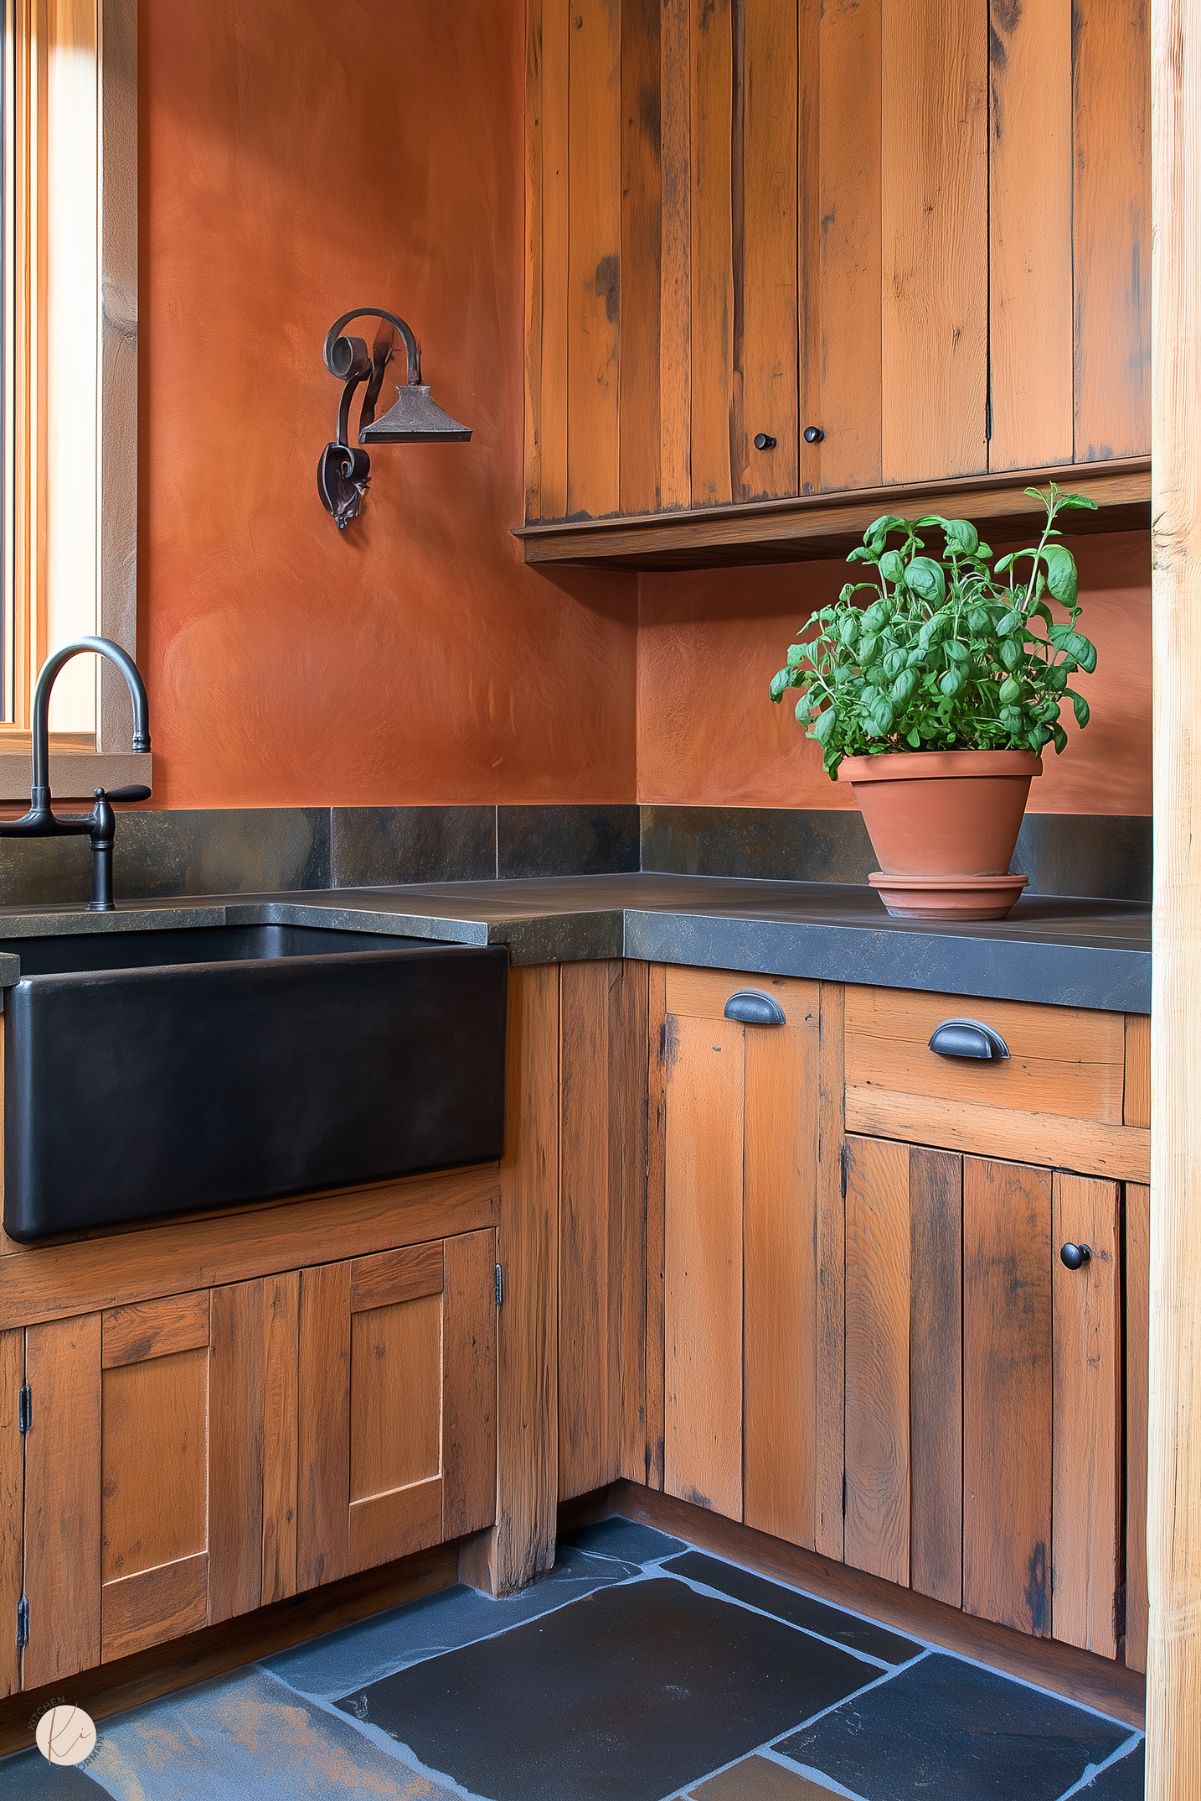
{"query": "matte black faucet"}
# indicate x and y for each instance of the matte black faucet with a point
(100, 824)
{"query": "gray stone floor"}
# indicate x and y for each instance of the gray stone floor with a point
(639, 1670)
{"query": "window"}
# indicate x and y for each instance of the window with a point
(68, 505)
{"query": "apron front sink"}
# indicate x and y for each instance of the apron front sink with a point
(158, 1072)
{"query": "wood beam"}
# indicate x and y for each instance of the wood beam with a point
(1174, 1430)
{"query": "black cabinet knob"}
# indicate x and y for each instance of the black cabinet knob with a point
(1074, 1256)
(764, 441)
(813, 434)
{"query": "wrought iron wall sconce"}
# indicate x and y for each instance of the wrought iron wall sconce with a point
(345, 470)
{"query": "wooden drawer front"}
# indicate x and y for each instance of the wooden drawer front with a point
(1057, 1098)
(703, 993)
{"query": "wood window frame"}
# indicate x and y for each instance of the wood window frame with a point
(107, 30)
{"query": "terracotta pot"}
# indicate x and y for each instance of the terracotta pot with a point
(936, 817)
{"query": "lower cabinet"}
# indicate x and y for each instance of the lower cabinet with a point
(745, 1319)
(984, 1406)
(191, 1457)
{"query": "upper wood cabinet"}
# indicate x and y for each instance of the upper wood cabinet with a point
(896, 241)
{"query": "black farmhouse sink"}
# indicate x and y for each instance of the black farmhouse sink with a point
(155, 1072)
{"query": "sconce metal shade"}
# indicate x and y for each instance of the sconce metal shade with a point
(415, 418)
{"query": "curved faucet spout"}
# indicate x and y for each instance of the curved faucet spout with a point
(121, 659)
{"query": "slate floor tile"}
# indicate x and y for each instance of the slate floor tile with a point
(247, 1738)
(627, 1539)
(798, 1609)
(759, 1779)
(1122, 1781)
(28, 1777)
(948, 1731)
(626, 1696)
(359, 1655)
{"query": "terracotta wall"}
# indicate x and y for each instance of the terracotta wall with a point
(297, 158)
(710, 641)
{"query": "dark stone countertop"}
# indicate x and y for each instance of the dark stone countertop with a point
(1079, 953)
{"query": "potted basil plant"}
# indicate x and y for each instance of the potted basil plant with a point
(933, 684)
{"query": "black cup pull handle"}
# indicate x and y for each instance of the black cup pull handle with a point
(750, 1007)
(1074, 1256)
(968, 1038)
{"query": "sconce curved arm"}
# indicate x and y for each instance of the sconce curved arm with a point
(343, 365)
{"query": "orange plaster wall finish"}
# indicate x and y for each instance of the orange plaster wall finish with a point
(296, 160)
(710, 641)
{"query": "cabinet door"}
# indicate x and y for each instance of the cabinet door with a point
(983, 1407)
(144, 1463)
(740, 1208)
(397, 1404)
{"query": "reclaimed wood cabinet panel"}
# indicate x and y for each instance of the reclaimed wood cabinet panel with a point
(746, 1257)
(915, 230)
(984, 1406)
(144, 1511)
(397, 1391)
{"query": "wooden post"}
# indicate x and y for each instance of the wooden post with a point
(1174, 1433)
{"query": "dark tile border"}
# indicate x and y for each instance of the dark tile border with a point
(547, 841)
(1095, 855)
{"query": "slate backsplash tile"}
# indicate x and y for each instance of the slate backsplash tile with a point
(371, 846)
(207, 850)
(567, 840)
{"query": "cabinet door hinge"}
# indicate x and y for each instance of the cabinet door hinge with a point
(500, 1286)
(844, 1494)
(842, 1171)
(988, 419)
(22, 1622)
(24, 1409)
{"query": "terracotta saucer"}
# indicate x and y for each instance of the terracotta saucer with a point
(948, 896)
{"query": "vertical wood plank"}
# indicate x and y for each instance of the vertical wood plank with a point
(877, 1358)
(934, 152)
(280, 1406)
(675, 280)
(585, 1279)
(1138, 1258)
(1174, 1383)
(936, 1375)
(1007, 1392)
(1136, 1098)
(469, 1385)
(534, 270)
(764, 234)
(237, 1364)
(628, 1119)
(323, 1438)
(831, 1275)
(661, 1047)
(1112, 228)
(1030, 233)
(641, 225)
(1087, 1417)
(62, 1499)
(779, 1274)
(594, 259)
(12, 1502)
(703, 1318)
(712, 252)
(554, 175)
(840, 76)
(522, 1543)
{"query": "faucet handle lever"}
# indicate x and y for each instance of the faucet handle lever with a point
(135, 791)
